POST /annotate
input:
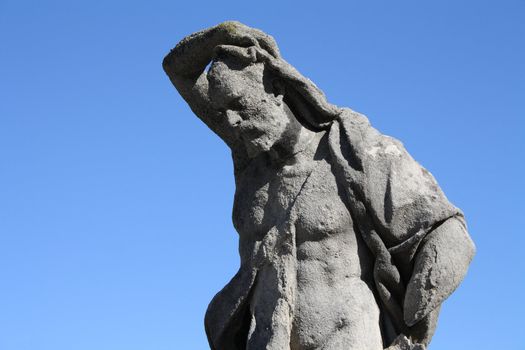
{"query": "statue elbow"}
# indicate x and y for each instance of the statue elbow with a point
(440, 266)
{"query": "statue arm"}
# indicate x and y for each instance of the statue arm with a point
(440, 265)
(186, 63)
(185, 66)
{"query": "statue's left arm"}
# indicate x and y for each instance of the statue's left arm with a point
(441, 263)
(419, 239)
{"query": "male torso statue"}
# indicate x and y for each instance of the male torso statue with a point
(345, 241)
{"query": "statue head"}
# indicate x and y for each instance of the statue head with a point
(261, 105)
(243, 95)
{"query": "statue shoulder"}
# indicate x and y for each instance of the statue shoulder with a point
(399, 193)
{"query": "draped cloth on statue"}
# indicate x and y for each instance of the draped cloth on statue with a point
(394, 202)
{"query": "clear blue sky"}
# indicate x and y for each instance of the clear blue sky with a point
(115, 201)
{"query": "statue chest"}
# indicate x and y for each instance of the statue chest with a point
(307, 194)
(324, 284)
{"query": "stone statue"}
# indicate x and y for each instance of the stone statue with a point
(345, 241)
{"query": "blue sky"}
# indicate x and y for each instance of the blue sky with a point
(115, 201)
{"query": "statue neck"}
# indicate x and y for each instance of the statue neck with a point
(298, 145)
(300, 148)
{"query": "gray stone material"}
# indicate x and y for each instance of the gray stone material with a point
(345, 241)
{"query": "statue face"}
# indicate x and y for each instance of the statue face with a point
(254, 115)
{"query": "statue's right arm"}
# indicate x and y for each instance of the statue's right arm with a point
(186, 63)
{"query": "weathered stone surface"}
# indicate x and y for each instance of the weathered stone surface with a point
(403, 343)
(345, 241)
